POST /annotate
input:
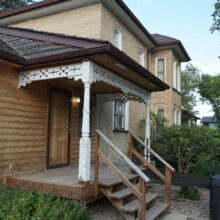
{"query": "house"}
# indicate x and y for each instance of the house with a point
(209, 121)
(76, 76)
(189, 117)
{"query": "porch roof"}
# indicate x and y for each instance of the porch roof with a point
(29, 47)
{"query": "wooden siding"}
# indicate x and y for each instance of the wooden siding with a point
(23, 125)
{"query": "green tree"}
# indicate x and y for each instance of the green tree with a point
(209, 89)
(190, 148)
(216, 18)
(190, 77)
(7, 5)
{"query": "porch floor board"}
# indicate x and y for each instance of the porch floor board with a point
(62, 182)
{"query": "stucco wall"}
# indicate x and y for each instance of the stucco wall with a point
(169, 99)
(83, 22)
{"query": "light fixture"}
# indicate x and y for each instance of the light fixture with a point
(75, 99)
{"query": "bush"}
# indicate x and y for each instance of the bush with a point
(189, 192)
(21, 205)
(191, 149)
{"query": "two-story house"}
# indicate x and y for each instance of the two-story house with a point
(69, 67)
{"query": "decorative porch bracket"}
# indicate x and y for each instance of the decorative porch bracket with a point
(72, 71)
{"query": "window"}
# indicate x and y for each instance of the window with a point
(120, 116)
(178, 78)
(174, 117)
(142, 58)
(179, 117)
(161, 112)
(161, 68)
(118, 38)
(174, 75)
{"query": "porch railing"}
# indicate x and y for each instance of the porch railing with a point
(167, 178)
(143, 179)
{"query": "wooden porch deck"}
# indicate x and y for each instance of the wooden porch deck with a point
(62, 182)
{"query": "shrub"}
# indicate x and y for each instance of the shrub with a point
(189, 192)
(21, 205)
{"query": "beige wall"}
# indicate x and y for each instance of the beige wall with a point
(83, 22)
(130, 44)
(169, 99)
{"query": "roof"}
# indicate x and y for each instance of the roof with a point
(29, 47)
(163, 40)
(47, 3)
(157, 41)
(209, 119)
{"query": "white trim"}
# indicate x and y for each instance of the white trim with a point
(118, 38)
(141, 57)
(175, 116)
(174, 74)
(165, 67)
(165, 111)
(127, 116)
(179, 78)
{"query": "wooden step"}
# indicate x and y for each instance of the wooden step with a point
(132, 207)
(156, 211)
(122, 193)
(115, 180)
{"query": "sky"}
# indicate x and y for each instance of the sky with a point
(188, 21)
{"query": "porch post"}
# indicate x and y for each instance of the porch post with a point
(85, 140)
(147, 132)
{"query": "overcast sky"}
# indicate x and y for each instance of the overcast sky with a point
(188, 21)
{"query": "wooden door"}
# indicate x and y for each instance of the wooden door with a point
(59, 121)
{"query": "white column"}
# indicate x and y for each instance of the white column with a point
(147, 132)
(85, 140)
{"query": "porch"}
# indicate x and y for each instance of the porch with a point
(63, 182)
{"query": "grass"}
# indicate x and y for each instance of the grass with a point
(22, 205)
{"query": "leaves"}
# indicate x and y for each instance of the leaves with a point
(190, 78)
(209, 89)
(7, 5)
(21, 205)
(216, 18)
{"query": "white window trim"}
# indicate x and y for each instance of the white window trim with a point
(165, 111)
(178, 69)
(165, 67)
(119, 46)
(141, 57)
(175, 74)
(126, 116)
(175, 116)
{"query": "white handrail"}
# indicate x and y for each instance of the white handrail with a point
(154, 153)
(129, 162)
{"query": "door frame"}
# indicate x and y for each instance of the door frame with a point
(68, 93)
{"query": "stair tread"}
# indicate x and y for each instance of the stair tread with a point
(122, 193)
(115, 180)
(133, 205)
(156, 210)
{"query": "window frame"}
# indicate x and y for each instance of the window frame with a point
(141, 57)
(165, 67)
(117, 35)
(126, 117)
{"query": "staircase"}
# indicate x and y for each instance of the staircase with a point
(128, 192)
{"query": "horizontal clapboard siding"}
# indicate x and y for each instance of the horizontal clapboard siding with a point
(23, 125)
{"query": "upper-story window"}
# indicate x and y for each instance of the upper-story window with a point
(120, 116)
(141, 58)
(176, 76)
(118, 38)
(161, 68)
